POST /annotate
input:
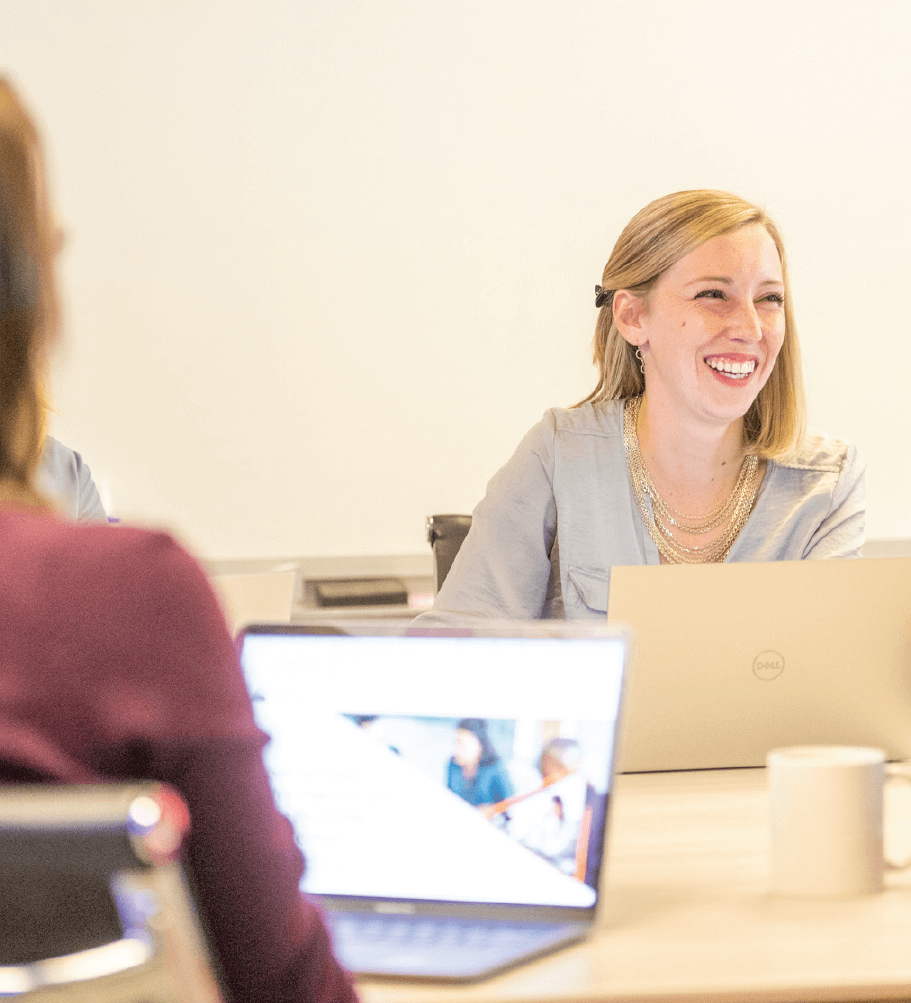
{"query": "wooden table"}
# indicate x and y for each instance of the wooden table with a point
(688, 915)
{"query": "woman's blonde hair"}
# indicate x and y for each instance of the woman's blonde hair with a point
(657, 237)
(28, 303)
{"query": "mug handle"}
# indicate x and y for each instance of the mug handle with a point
(898, 771)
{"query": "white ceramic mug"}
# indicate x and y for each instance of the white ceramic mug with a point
(826, 805)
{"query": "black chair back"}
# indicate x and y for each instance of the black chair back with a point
(445, 534)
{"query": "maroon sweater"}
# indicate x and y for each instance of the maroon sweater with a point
(115, 663)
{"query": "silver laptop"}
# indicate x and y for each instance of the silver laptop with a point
(450, 793)
(733, 660)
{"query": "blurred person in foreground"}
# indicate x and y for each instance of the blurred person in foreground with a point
(116, 660)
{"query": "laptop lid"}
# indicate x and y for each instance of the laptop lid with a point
(395, 815)
(733, 660)
(257, 597)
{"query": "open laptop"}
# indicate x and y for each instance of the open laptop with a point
(733, 660)
(420, 872)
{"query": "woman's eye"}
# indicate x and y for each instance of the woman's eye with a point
(775, 298)
(715, 294)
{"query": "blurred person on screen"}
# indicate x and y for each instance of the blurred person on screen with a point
(476, 772)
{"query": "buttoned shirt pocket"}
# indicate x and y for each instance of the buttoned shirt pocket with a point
(587, 598)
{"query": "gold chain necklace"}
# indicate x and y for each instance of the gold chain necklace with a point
(662, 519)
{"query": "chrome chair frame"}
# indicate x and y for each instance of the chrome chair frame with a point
(123, 837)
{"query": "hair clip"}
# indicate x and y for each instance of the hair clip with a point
(601, 296)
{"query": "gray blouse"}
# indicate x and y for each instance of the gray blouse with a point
(64, 478)
(561, 513)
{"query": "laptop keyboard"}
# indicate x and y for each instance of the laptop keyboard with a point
(430, 945)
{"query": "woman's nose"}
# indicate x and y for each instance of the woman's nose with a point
(748, 325)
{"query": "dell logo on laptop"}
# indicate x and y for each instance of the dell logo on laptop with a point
(768, 665)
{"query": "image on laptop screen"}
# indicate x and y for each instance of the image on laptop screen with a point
(459, 770)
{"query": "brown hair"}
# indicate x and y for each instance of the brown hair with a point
(657, 237)
(28, 303)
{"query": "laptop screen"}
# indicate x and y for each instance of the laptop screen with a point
(469, 769)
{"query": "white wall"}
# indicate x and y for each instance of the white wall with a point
(329, 260)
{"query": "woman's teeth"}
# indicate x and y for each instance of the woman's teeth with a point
(736, 370)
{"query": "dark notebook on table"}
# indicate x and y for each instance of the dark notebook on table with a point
(368, 761)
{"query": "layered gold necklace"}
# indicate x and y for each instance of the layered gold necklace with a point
(662, 521)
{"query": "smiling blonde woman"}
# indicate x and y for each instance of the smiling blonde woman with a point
(691, 448)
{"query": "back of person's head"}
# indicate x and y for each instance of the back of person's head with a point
(28, 306)
(656, 238)
(560, 757)
(566, 751)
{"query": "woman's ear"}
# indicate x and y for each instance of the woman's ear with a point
(629, 313)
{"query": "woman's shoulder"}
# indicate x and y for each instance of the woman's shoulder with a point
(135, 545)
(601, 418)
(112, 557)
(820, 452)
